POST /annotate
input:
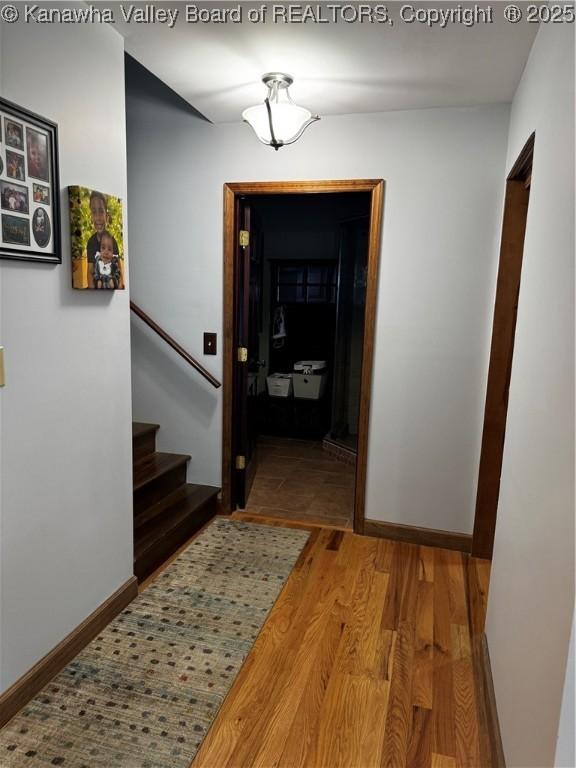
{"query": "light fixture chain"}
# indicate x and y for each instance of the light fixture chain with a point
(273, 142)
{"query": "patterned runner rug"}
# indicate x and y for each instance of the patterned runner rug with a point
(144, 693)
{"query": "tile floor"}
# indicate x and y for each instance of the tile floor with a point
(298, 480)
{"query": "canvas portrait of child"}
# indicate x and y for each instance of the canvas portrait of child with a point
(97, 240)
(106, 264)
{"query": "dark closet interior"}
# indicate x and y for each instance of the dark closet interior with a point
(307, 296)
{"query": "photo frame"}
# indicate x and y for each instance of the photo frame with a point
(29, 186)
(97, 239)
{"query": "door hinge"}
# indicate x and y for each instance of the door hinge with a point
(244, 238)
(242, 354)
(240, 462)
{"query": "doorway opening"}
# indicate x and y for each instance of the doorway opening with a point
(300, 272)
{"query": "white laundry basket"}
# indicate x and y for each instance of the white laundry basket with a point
(279, 384)
(309, 379)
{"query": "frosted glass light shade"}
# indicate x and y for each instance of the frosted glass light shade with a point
(278, 121)
(289, 122)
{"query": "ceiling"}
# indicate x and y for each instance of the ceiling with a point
(339, 68)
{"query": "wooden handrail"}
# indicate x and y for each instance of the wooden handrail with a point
(174, 344)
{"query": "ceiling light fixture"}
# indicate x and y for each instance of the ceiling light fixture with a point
(278, 121)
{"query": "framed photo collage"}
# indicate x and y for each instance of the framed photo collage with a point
(29, 186)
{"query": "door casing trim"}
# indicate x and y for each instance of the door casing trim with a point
(232, 191)
(508, 284)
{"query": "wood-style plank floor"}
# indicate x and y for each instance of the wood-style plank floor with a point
(365, 661)
(298, 480)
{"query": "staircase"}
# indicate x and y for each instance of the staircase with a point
(167, 509)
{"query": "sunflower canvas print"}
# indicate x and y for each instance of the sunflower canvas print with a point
(97, 239)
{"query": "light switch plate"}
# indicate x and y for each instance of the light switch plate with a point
(209, 343)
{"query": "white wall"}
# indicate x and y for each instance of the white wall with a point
(65, 445)
(532, 587)
(444, 171)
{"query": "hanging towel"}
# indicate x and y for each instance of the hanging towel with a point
(278, 328)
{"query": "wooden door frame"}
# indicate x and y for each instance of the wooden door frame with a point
(232, 192)
(502, 350)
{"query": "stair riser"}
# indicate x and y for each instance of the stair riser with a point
(143, 445)
(166, 546)
(158, 488)
(150, 514)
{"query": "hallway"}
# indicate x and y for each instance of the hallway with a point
(366, 660)
(445, 349)
(298, 480)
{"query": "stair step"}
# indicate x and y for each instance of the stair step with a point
(156, 476)
(172, 527)
(142, 428)
(192, 494)
(156, 465)
(143, 439)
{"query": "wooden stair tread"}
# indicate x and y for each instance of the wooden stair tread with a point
(195, 498)
(140, 428)
(154, 465)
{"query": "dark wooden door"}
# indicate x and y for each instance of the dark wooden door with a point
(247, 308)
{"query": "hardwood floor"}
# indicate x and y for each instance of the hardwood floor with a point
(298, 480)
(365, 661)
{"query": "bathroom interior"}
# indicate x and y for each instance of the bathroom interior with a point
(307, 297)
